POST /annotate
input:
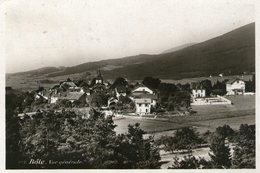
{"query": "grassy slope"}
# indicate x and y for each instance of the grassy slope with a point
(208, 118)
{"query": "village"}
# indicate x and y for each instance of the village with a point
(140, 99)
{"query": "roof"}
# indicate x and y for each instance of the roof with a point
(142, 100)
(140, 85)
(70, 84)
(73, 96)
(231, 81)
(150, 96)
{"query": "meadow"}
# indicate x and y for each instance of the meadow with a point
(208, 117)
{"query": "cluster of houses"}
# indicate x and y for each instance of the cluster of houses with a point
(143, 97)
(233, 87)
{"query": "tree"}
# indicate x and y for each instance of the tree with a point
(99, 99)
(188, 162)
(225, 132)
(135, 152)
(64, 135)
(13, 154)
(119, 82)
(244, 152)
(207, 85)
(168, 143)
(187, 138)
(219, 88)
(220, 156)
(184, 139)
(151, 82)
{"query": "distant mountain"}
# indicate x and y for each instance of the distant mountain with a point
(231, 53)
(41, 71)
(178, 48)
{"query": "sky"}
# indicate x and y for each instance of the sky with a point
(40, 33)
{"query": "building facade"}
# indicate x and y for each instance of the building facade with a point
(143, 106)
(235, 87)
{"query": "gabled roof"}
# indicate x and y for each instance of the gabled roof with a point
(70, 84)
(141, 85)
(231, 81)
(73, 96)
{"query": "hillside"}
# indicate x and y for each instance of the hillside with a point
(178, 48)
(231, 53)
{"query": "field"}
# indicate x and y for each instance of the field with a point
(208, 117)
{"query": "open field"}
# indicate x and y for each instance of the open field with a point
(208, 117)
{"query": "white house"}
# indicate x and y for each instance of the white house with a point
(198, 91)
(235, 87)
(143, 105)
(142, 89)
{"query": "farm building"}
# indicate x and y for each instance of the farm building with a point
(235, 87)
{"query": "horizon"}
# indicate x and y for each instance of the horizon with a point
(62, 39)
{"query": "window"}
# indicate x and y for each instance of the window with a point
(146, 110)
(146, 104)
(140, 105)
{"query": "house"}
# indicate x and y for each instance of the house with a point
(197, 90)
(235, 87)
(153, 98)
(143, 106)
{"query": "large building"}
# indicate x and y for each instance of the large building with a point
(235, 87)
(143, 106)
(144, 99)
(198, 91)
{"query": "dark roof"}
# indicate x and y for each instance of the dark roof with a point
(73, 96)
(231, 81)
(70, 84)
(151, 96)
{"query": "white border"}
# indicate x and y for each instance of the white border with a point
(2, 108)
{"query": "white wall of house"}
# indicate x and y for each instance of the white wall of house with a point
(198, 93)
(54, 99)
(143, 108)
(143, 89)
(237, 87)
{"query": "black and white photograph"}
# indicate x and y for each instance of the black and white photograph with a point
(129, 84)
